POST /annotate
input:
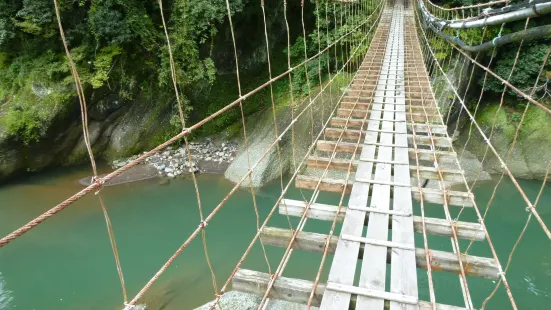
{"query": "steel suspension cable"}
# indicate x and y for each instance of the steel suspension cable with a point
(475, 206)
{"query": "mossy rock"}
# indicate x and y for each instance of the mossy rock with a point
(530, 156)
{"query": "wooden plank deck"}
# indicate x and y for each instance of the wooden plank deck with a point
(387, 133)
(390, 110)
(347, 256)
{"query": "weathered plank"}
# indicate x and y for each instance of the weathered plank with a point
(430, 173)
(416, 117)
(354, 134)
(355, 123)
(373, 268)
(344, 262)
(297, 290)
(436, 196)
(403, 272)
(424, 154)
(434, 226)
(443, 261)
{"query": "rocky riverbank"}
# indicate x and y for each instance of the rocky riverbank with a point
(208, 156)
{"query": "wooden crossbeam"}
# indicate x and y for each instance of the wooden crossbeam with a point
(354, 134)
(425, 155)
(364, 106)
(416, 117)
(298, 290)
(440, 260)
(454, 198)
(430, 173)
(354, 123)
(434, 226)
(408, 95)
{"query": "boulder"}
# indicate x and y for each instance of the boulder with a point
(529, 158)
(242, 301)
(261, 134)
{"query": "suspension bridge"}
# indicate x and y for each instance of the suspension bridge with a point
(387, 135)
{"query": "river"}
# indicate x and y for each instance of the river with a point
(67, 262)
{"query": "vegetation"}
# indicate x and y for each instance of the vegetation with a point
(118, 46)
(529, 60)
(120, 49)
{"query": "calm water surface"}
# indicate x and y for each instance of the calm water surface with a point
(67, 262)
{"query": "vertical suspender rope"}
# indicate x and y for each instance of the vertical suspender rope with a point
(251, 187)
(86, 136)
(501, 274)
(174, 77)
(276, 131)
(521, 235)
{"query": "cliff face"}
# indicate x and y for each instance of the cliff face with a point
(294, 144)
(121, 127)
(117, 132)
(529, 158)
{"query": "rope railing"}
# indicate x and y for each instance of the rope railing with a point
(520, 93)
(429, 38)
(312, 100)
(186, 132)
(360, 18)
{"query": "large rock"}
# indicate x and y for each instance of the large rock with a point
(261, 134)
(115, 131)
(530, 157)
(242, 301)
(458, 74)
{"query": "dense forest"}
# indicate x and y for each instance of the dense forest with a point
(121, 54)
(118, 46)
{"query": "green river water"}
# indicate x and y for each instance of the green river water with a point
(67, 262)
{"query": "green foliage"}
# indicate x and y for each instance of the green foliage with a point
(526, 69)
(331, 23)
(118, 46)
(29, 119)
(36, 18)
(103, 64)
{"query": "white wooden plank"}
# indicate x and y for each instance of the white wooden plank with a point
(403, 269)
(346, 255)
(382, 295)
(373, 270)
(434, 226)
(294, 290)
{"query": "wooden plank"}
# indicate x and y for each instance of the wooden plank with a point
(366, 105)
(403, 271)
(297, 290)
(354, 134)
(355, 123)
(327, 184)
(434, 226)
(416, 117)
(430, 173)
(441, 261)
(365, 292)
(289, 289)
(378, 242)
(424, 155)
(455, 198)
(436, 196)
(344, 262)
(373, 268)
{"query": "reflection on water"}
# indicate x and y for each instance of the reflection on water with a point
(6, 297)
(67, 263)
